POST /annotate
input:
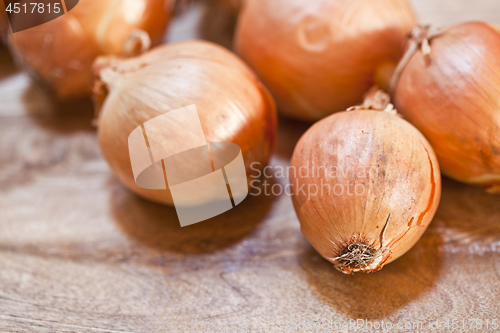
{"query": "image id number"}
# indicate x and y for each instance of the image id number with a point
(33, 7)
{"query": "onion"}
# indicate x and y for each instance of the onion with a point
(365, 186)
(320, 56)
(452, 95)
(61, 51)
(232, 104)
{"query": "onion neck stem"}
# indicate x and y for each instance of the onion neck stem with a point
(419, 39)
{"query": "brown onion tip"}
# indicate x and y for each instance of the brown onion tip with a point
(418, 39)
(359, 256)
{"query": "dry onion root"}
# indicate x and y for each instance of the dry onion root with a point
(366, 184)
(61, 52)
(232, 104)
(449, 88)
(318, 57)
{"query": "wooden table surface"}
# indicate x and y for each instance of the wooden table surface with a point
(80, 253)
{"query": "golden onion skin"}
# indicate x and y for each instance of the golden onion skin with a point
(371, 150)
(61, 52)
(453, 97)
(318, 57)
(232, 103)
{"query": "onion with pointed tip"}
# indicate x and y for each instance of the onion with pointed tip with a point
(318, 57)
(366, 185)
(232, 104)
(452, 95)
(60, 52)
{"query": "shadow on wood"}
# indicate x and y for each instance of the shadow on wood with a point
(467, 214)
(61, 117)
(377, 295)
(7, 67)
(158, 227)
(39, 103)
(289, 133)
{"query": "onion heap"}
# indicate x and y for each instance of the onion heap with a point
(366, 184)
(321, 56)
(448, 86)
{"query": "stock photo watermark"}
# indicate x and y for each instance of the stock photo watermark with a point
(365, 325)
(24, 14)
(262, 180)
(205, 178)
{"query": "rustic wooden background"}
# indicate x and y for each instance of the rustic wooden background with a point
(80, 253)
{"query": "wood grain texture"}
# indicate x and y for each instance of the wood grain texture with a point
(80, 253)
